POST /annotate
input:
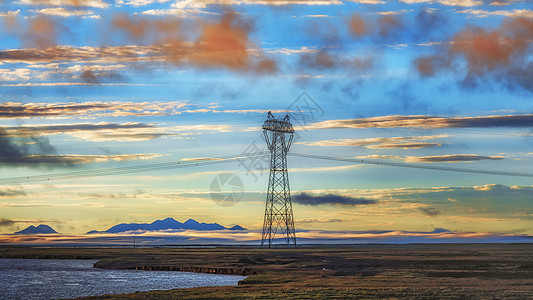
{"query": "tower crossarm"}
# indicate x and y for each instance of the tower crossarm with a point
(273, 124)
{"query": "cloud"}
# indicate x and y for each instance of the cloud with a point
(10, 110)
(429, 211)
(41, 33)
(141, 29)
(94, 132)
(181, 12)
(37, 75)
(394, 12)
(515, 13)
(330, 199)
(332, 57)
(389, 24)
(83, 54)
(15, 74)
(369, 1)
(214, 45)
(484, 50)
(10, 14)
(464, 3)
(191, 237)
(188, 4)
(27, 148)
(141, 2)
(420, 121)
(449, 158)
(481, 57)
(465, 204)
(98, 131)
(328, 60)
(83, 3)
(419, 145)
(412, 142)
(202, 159)
(104, 131)
(502, 2)
(317, 221)
(223, 44)
(324, 169)
(62, 12)
(289, 51)
(358, 25)
(92, 77)
(11, 192)
(6, 222)
(203, 127)
(431, 25)
(71, 159)
(220, 44)
(14, 149)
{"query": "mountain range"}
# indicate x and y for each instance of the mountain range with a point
(165, 224)
(41, 229)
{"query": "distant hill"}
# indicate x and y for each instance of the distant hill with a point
(165, 224)
(237, 227)
(41, 229)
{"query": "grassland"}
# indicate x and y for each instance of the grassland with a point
(428, 271)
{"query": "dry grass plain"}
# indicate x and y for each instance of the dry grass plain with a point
(416, 271)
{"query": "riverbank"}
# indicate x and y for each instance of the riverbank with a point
(489, 271)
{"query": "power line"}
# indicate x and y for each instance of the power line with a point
(407, 165)
(128, 169)
(232, 158)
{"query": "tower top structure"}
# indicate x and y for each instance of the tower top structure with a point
(279, 125)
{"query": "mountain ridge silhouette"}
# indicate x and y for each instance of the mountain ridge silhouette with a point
(41, 229)
(166, 224)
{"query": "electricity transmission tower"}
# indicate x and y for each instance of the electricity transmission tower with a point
(278, 211)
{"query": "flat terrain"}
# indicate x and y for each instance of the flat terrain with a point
(424, 271)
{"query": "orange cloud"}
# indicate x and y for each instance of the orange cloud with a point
(383, 27)
(502, 54)
(140, 29)
(223, 44)
(358, 25)
(214, 44)
(136, 28)
(41, 33)
(486, 50)
(426, 66)
(388, 24)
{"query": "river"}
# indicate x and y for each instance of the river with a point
(40, 279)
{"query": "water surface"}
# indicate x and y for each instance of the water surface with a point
(61, 278)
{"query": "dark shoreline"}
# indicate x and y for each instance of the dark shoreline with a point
(208, 270)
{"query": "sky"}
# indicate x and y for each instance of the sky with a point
(97, 84)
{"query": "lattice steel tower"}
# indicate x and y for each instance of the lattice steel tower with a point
(278, 212)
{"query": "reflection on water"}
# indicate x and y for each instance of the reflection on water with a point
(60, 278)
